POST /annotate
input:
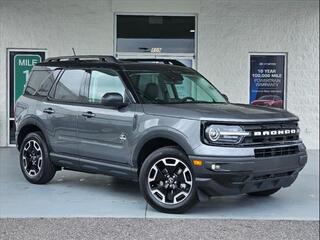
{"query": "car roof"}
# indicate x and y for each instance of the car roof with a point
(99, 61)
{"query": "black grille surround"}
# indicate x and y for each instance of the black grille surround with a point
(258, 141)
(275, 142)
(265, 140)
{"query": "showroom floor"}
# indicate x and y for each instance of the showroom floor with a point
(73, 194)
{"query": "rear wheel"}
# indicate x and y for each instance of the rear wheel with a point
(34, 159)
(264, 193)
(167, 181)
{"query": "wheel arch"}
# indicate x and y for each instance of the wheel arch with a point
(27, 126)
(155, 140)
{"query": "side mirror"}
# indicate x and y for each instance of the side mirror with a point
(113, 99)
(225, 97)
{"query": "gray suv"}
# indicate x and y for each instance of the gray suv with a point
(162, 124)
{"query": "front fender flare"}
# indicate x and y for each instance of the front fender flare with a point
(170, 134)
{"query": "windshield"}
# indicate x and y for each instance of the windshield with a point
(164, 87)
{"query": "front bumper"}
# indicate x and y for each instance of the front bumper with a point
(238, 175)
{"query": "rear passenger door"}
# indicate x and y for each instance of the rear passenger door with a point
(105, 132)
(61, 115)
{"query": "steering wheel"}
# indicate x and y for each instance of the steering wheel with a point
(188, 98)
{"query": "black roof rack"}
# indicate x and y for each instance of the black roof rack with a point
(155, 60)
(102, 58)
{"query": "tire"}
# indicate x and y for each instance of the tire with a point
(34, 159)
(167, 181)
(264, 193)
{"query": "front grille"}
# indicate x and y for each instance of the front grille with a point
(279, 151)
(252, 140)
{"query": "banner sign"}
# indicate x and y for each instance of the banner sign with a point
(20, 63)
(268, 79)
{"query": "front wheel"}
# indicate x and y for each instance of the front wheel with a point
(264, 193)
(167, 181)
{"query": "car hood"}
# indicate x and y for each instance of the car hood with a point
(222, 112)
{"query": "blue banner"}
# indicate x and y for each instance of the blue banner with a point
(267, 80)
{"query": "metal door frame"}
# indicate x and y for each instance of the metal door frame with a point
(177, 56)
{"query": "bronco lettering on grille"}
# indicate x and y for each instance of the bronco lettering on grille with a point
(275, 132)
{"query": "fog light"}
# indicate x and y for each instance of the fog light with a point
(215, 166)
(197, 162)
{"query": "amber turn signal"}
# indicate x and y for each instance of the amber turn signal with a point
(197, 162)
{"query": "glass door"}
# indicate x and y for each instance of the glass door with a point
(156, 37)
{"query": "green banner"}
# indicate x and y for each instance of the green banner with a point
(20, 63)
(22, 67)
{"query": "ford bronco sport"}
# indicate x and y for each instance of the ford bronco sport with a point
(163, 125)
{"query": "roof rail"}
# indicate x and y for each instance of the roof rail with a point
(102, 58)
(155, 60)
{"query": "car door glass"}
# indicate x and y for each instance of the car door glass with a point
(68, 87)
(102, 82)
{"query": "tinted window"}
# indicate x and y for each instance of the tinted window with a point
(165, 87)
(170, 34)
(40, 82)
(102, 82)
(188, 88)
(68, 87)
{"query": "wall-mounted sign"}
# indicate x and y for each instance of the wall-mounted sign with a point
(20, 63)
(268, 79)
(156, 50)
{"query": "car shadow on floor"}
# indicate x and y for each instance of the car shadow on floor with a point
(95, 182)
(119, 187)
(229, 207)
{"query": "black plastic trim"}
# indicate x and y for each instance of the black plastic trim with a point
(238, 175)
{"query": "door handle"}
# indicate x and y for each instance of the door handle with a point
(48, 110)
(88, 114)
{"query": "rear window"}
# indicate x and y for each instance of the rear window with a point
(40, 82)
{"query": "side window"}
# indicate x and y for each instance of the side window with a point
(68, 87)
(102, 82)
(40, 82)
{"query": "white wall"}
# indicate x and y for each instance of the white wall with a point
(228, 30)
(59, 25)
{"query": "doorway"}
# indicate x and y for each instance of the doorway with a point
(156, 36)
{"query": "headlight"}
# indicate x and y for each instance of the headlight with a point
(224, 134)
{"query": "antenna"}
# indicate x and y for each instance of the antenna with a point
(74, 52)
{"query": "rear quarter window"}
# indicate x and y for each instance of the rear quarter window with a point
(40, 82)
